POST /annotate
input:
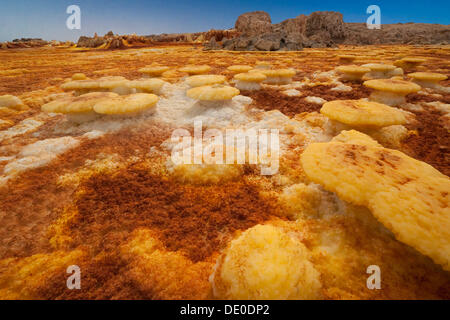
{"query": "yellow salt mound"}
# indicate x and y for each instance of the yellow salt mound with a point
(205, 80)
(147, 85)
(408, 196)
(79, 104)
(362, 113)
(212, 93)
(192, 70)
(11, 102)
(239, 68)
(130, 104)
(265, 263)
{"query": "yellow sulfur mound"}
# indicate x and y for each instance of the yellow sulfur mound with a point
(394, 86)
(80, 104)
(428, 76)
(265, 263)
(355, 137)
(282, 73)
(390, 91)
(427, 79)
(362, 113)
(80, 85)
(79, 76)
(191, 70)
(352, 72)
(130, 104)
(147, 85)
(154, 71)
(212, 93)
(205, 80)
(250, 77)
(239, 68)
(11, 102)
(116, 84)
(408, 196)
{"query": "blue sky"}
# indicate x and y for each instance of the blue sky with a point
(47, 19)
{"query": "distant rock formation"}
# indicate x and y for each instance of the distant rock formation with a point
(400, 33)
(252, 24)
(255, 31)
(323, 29)
(32, 43)
(111, 41)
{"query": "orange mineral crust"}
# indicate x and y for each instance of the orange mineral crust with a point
(89, 174)
(133, 198)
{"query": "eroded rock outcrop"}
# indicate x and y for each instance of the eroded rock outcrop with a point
(255, 31)
(323, 29)
(32, 43)
(253, 23)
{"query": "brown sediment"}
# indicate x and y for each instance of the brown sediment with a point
(196, 220)
(431, 144)
(33, 199)
(103, 277)
(270, 99)
(325, 92)
(417, 98)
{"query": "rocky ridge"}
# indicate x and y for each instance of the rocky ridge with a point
(323, 29)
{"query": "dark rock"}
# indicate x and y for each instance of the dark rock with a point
(253, 23)
(329, 24)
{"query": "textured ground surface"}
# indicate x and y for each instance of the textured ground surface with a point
(109, 203)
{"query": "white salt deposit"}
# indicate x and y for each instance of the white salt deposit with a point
(23, 127)
(316, 100)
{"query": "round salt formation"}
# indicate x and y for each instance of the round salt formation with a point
(262, 65)
(239, 68)
(79, 76)
(213, 94)
(278, 76)
(12, 102)
(193, 70)
(78, 109)
(113, 84)
(205, 80)
(265, 263)
(81, 86)
(153, 71)
(427, 79)
(409, 197)
(345, 58)
(409, 62)
(129, 105)
(382, 71)
(207, 173)
(362, 113)
(116, 84)
(249, 81)
(352, 72)
(389, 91)
(147, 85)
